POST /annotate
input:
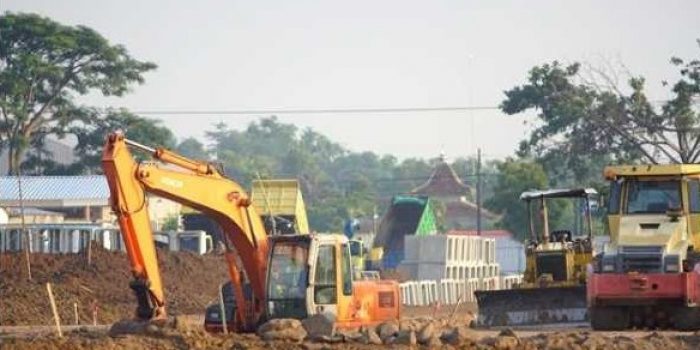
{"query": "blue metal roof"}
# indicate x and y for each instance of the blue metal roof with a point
(55, 188)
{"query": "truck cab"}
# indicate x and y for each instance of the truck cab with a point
(646, 273)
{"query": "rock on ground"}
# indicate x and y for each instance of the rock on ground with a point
(426, 333)
(406, 337)
(318, 326)
(282, 329)
(387, 330)
(458, 335)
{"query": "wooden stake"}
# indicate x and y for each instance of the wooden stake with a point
(222, 308)
(75, 312)
(54, 310)
(94, 312)
(454, 311)
(89, 252)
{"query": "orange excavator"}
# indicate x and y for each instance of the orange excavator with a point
(285, 276)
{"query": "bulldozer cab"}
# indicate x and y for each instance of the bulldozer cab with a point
(559, 254)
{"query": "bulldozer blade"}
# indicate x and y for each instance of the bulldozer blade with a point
(531, 306)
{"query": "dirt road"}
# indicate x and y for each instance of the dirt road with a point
(189, 335)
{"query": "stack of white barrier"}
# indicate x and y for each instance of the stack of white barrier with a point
(447, 268)
(419, 293)
(449, 257)
(447, 291)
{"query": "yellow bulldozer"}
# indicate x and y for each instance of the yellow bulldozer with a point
(553, 288)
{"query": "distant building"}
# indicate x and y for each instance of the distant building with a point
(510, 252)
(33, 216)
(56, 150)
(82, 199)
(446, 187)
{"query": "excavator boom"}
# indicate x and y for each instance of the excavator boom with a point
(199, 186)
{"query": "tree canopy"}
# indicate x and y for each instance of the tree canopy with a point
(43, 66)
(337, 184)
(587, 119)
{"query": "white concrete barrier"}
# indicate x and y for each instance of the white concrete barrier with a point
(509, 281)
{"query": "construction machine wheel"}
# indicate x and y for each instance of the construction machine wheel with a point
(687, 318)
(609, 318)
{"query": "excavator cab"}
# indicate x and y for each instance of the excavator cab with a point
(308, 275)
(312, 274)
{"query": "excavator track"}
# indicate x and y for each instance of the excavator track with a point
(531, 306)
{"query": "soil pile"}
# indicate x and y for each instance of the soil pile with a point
(195, 338)
(190, 280)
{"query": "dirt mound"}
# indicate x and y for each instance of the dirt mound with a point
(195, 338)
(191, 282)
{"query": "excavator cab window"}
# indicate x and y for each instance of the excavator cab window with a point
(325, 286)
(347, 270)
(288, 279)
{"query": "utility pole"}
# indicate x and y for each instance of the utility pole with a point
(25, 234)
(478, 191)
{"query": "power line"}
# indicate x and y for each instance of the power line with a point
(316, 110)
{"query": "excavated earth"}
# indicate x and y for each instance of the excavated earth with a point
(191, 283)
(443, 335)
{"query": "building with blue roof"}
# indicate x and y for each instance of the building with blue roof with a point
(81, 198)
(78, 199)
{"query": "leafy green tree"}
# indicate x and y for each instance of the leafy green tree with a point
(515, 177)
(91, 136)
(192, 148)
(44, 65)
(587, 120)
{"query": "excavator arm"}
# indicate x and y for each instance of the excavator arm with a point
(199, 186)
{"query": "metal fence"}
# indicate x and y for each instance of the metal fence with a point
(58, 238)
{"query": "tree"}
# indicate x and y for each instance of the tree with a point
(515, 177)
(192, 148)
(588, 119)
(43, 66)
(91, 136)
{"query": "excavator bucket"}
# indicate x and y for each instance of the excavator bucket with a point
(531, 306)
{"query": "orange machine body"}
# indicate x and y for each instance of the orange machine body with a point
(307, 275)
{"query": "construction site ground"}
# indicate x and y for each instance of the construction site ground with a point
(191, 283)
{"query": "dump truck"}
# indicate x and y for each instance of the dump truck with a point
(553, 288)
(272, 276)
(648, 274)
(407, 215)
(281, 205)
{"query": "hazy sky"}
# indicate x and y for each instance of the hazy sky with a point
(231, 55)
